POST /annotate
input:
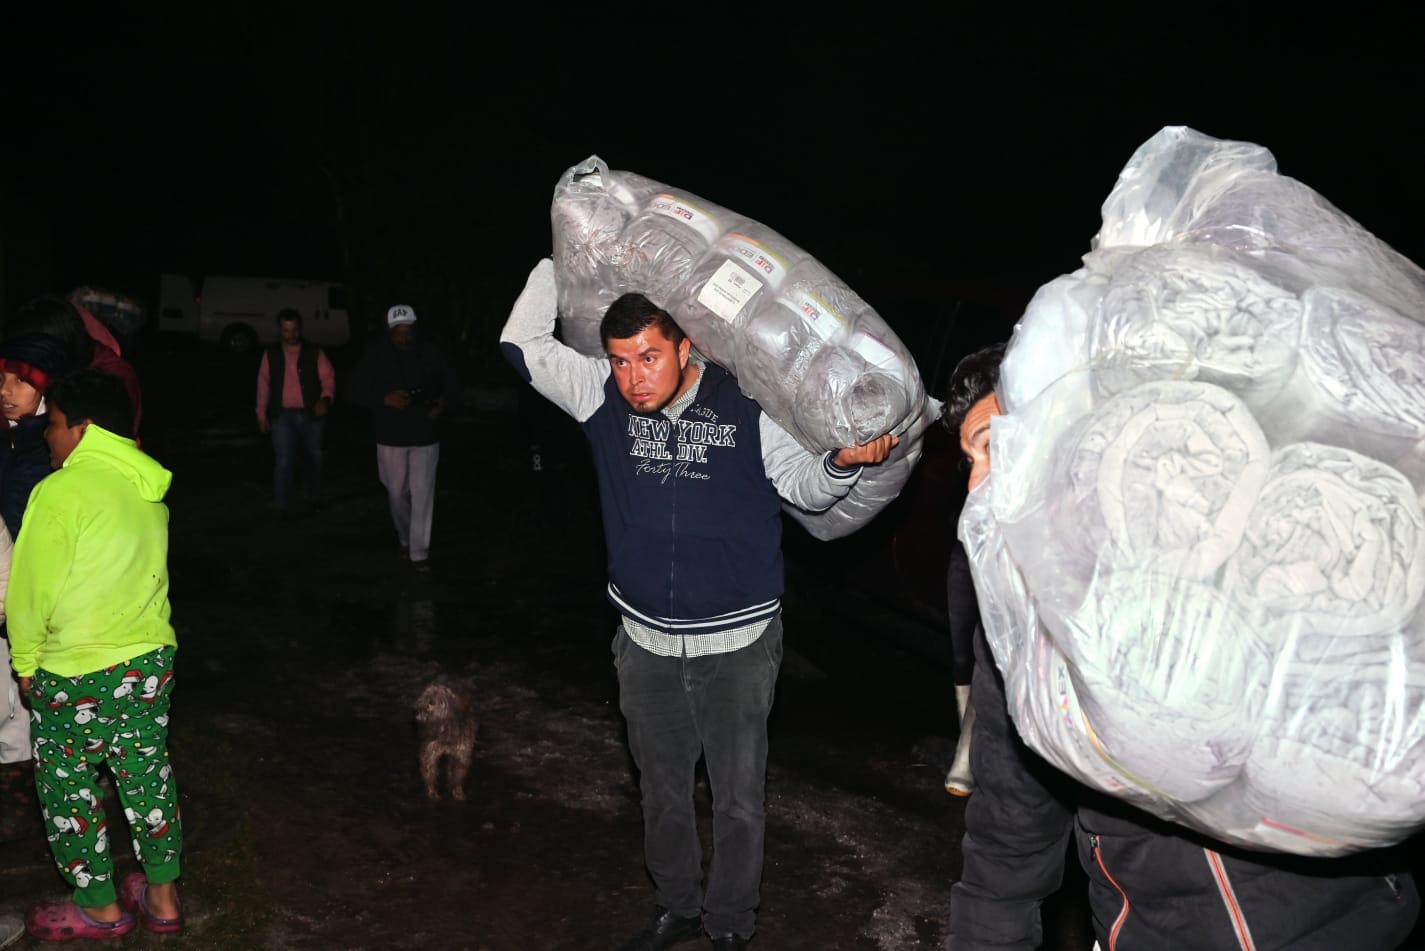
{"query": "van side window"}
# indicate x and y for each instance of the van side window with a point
(336, 297)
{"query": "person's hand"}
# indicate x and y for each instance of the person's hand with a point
(397, 399)
(437, 407)
(868, 453)
(263, 425)
(25, 690)
(320, 409)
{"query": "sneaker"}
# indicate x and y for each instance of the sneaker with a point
(666, 931)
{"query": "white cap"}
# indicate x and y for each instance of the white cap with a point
(400, 314)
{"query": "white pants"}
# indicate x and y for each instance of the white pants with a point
(408, 473)
(14, 718)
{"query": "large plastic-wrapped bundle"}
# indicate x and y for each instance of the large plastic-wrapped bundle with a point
(589, 218)
(817, 358)
(1202, 545)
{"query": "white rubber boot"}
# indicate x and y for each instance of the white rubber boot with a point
(960, 781)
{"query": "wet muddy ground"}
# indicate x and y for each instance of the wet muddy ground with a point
(305, 640)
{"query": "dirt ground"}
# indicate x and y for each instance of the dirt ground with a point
(304, 642)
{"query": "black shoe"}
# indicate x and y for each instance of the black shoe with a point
(666, 931)
(730, 942)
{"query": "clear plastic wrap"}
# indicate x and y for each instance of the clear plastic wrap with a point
(817, 358)
(1201, 549)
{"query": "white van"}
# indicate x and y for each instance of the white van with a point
(240, 313)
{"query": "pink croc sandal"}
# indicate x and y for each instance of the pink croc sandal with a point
(133, 895)
(64, 921)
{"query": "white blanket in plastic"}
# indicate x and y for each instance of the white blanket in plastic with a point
(1201, 550)
(817, 358)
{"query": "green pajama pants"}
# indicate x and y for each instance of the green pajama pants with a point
(116, 717)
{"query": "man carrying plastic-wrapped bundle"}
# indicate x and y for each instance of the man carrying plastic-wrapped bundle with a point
(1152, 884)
(691, 475)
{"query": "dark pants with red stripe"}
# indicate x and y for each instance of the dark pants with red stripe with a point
(1152, 885)
(1156, 885)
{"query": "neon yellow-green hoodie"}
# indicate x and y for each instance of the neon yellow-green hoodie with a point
(89, 579)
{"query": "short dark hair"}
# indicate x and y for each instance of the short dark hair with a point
(289, 313)
(53, 315)
(633, 313)
(96, 396)
(976, 376)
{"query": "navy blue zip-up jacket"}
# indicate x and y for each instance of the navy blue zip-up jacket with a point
(692, 507)
(692, 523)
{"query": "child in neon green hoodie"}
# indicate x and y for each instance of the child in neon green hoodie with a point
(93, 648)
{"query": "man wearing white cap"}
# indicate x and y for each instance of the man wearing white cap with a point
(406, 384)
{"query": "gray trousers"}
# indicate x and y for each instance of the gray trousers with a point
(715, 708)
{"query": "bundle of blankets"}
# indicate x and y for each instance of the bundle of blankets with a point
(818, 359)
(1201, 550)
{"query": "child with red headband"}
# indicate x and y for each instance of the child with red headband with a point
(29, 365)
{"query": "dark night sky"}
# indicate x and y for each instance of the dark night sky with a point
(920, 156)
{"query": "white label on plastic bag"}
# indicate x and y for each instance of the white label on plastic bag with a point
(688, 213)
(814, 312)
(728, 290)
(876, 353)
(623, 195)
(757, 256)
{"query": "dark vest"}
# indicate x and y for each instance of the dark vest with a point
(306, 373)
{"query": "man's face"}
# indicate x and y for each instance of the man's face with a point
(61, 436)
(401, 335)
(648, 368)
(291, 331)
(975, 437)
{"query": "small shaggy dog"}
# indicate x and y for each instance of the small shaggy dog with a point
(446, 722)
